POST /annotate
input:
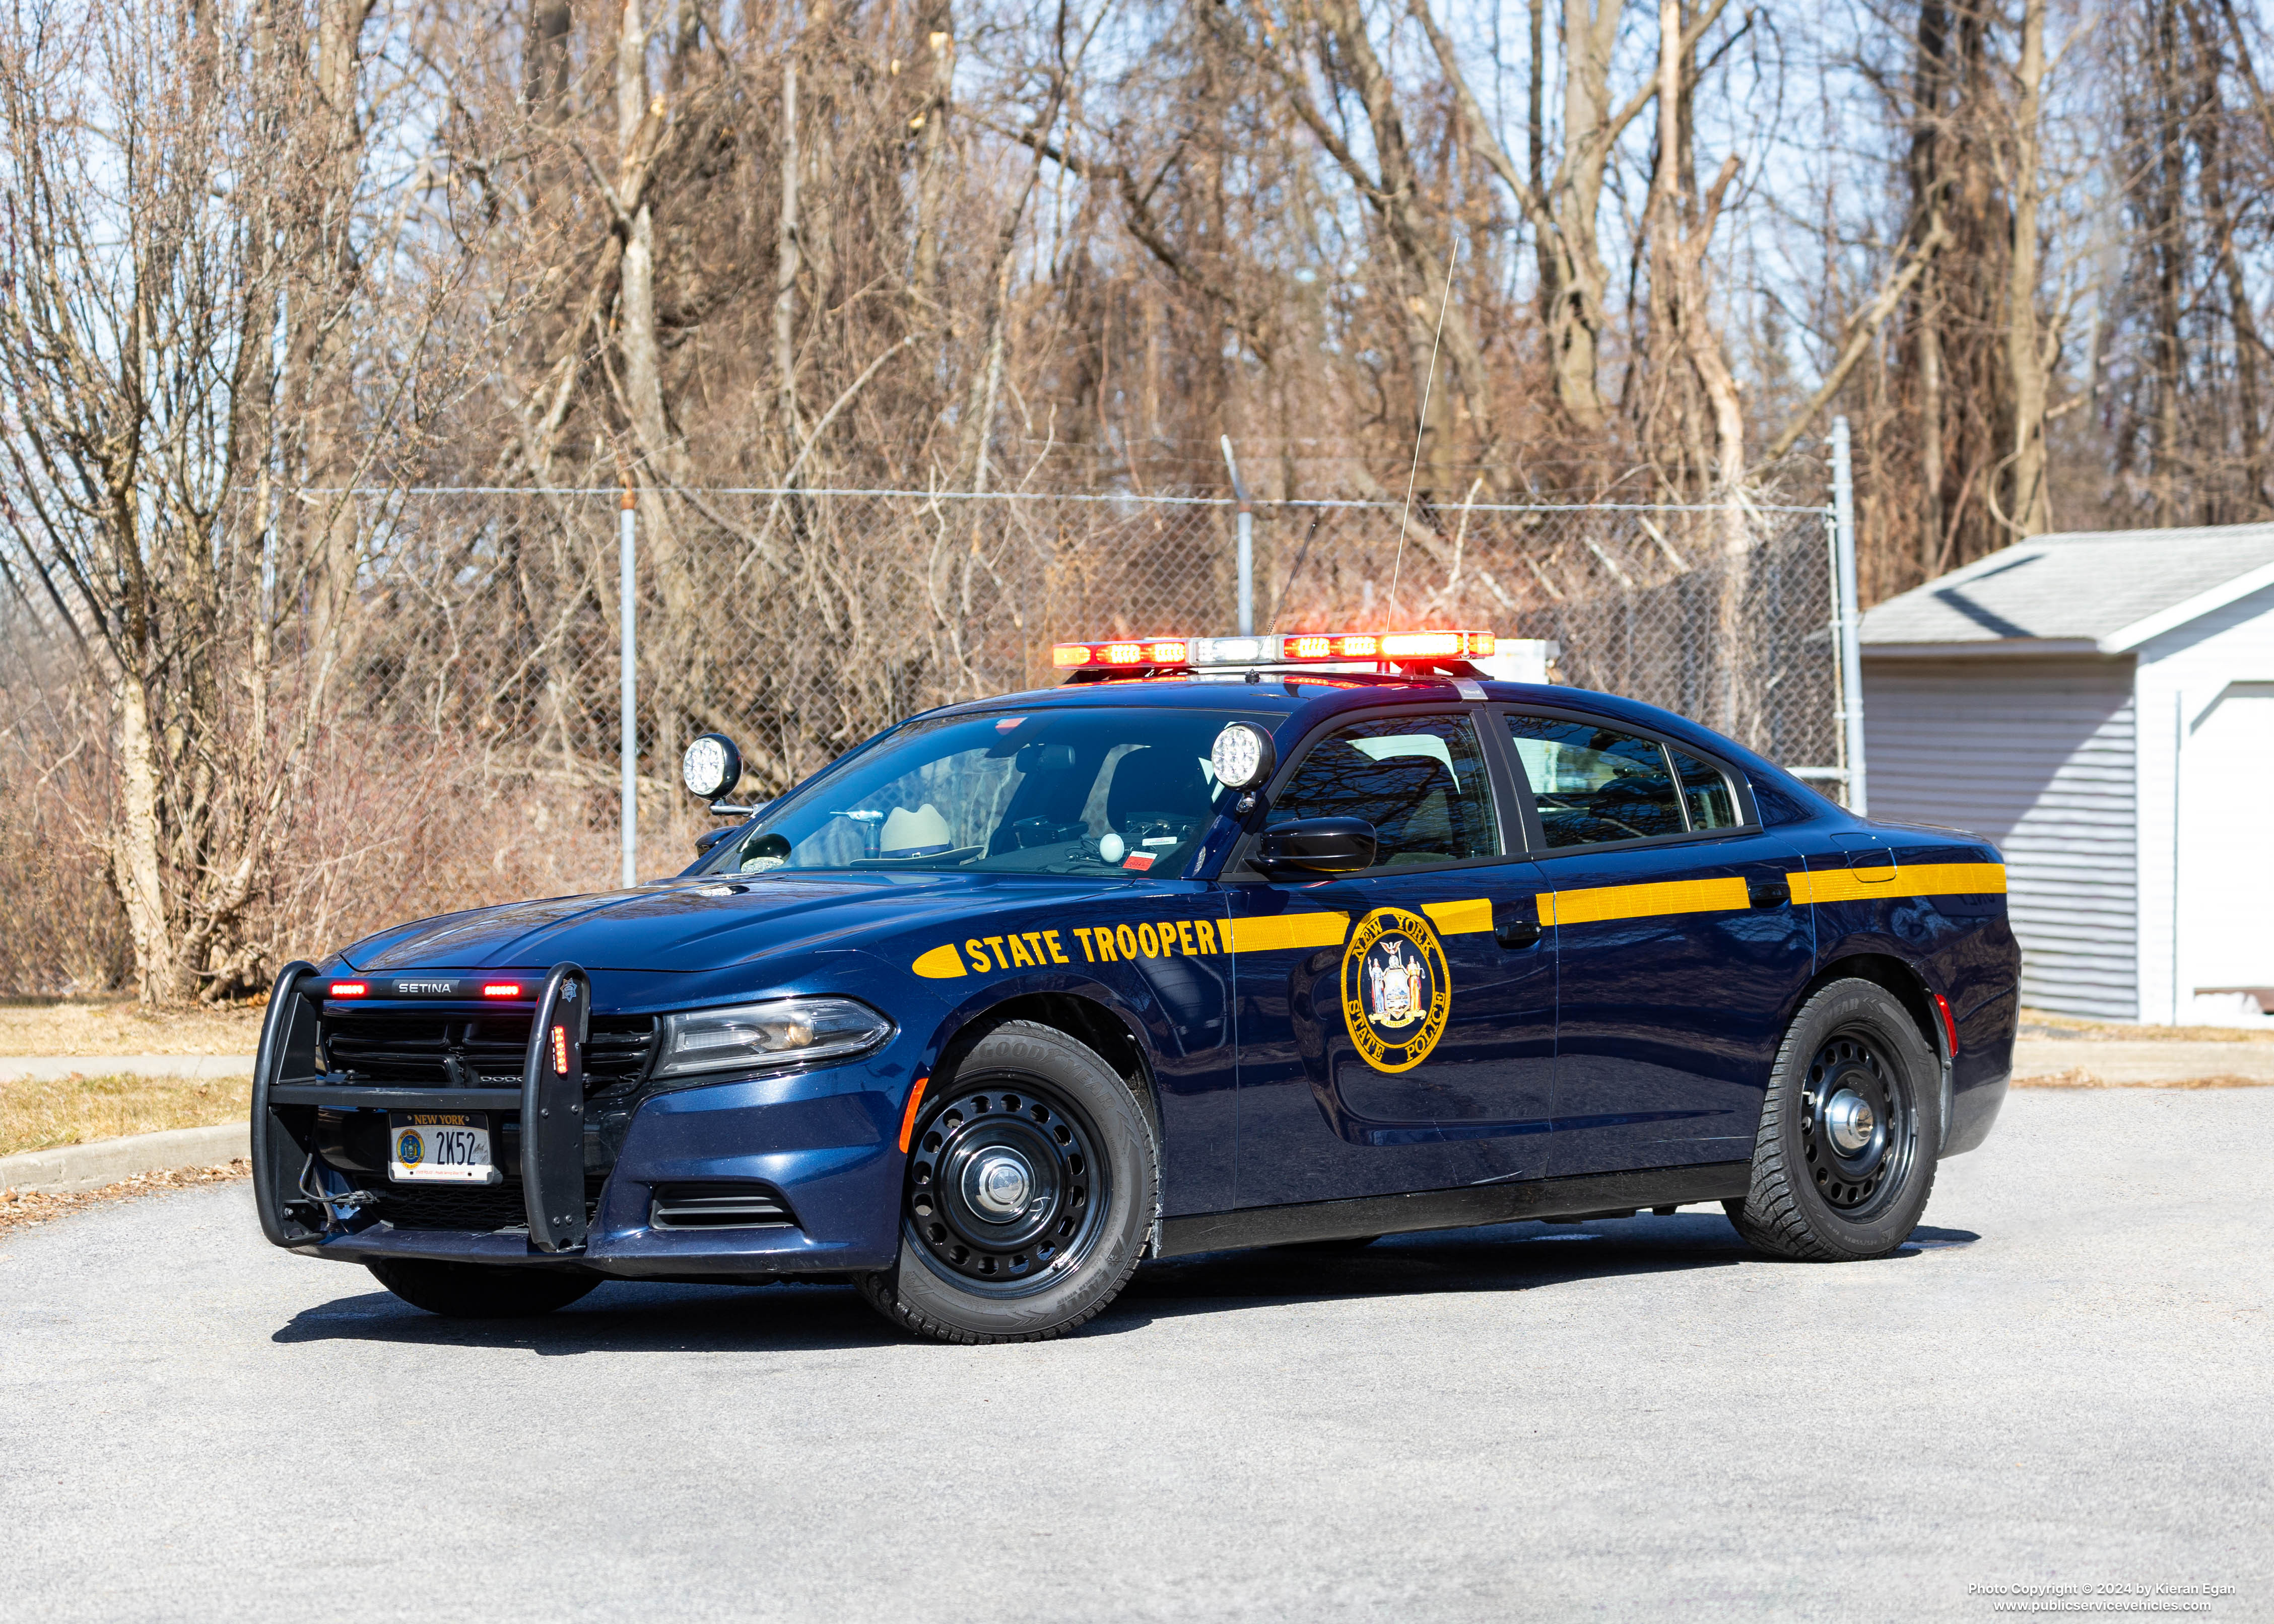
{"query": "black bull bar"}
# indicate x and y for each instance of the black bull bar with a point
(549, 1101)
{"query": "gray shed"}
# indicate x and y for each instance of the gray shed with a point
(2102, 705)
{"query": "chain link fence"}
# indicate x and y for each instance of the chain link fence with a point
(466, 746)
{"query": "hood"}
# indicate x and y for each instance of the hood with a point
(695, 925)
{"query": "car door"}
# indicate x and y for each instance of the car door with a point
(1679, 948)
(1396, 1026)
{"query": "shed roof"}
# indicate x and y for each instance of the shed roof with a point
(2090, 591)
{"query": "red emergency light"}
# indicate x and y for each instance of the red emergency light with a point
(1125, 651)
(1277, 649)
(347, 989)
(500, 989)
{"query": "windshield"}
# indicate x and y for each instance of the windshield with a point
(1072, 791)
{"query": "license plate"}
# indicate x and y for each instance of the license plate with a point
(444, 1146)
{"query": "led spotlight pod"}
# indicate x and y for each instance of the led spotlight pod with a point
(1243, 755)
(712, 766)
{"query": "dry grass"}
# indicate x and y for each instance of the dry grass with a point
(95, 1027)
(2041, 1024)
(2077, 1076)
(39, 1116)
(19, 1210)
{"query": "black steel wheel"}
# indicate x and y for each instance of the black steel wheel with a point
(1844, 1160)
(1030, 1185)
(1858, 1128)
(1005, 1187)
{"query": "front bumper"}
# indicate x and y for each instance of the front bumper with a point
(825, 1141)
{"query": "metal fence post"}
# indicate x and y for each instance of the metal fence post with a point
(1851, 653)
(628, 658)
(1246, 523)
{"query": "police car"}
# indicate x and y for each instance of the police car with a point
(1222, 943)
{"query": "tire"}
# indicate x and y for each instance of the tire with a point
(1032, 1183)
(1831, 1183)
(481, 1290)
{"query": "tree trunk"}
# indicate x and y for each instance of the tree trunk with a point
(2029, 512)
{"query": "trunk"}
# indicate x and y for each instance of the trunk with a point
(1396, 193)
(1535, 137)
(138, 852)
(2168, 231)
(786, 269)
(2029, 509)
(936, 23)
(635, 324)
(1576, 319)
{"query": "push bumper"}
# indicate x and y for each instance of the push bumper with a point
(821, 1145)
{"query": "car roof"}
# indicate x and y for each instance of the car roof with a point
(1302, 699)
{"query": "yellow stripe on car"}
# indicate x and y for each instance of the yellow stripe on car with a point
(1280, 932)
(1599, 903)
(1899, 880)
(1453, 918)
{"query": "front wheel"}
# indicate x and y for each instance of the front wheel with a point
(1031, 1184)
(481, 1291)
(1845, 1157)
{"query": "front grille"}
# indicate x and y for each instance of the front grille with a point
(718, 1205)
(414, 1048)
(479, 1207)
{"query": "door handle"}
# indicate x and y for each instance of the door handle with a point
(1518, 935)
(1767, 893)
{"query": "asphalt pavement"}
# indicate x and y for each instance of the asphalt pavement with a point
(2067, 1380)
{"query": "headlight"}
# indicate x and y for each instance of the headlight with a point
(778, 1032)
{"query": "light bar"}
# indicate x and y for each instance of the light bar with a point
(347, 989)
(1278, 649)
(1127, 652)
(560, 1051)
(1297, 647)
(500, 989)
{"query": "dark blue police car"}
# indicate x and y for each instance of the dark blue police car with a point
(1224, 942)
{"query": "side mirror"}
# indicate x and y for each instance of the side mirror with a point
(703, 842)
(712, 767)
(1318, 845)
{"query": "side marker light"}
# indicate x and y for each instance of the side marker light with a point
(909, 1117)
(1949, 1026)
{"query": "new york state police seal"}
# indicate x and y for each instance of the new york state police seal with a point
(1396, 995)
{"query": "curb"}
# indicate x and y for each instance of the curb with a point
(54, 1067)
(68, 1169)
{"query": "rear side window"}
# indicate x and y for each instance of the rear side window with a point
(1419, 780)
(1705, 793)
(1594, 784)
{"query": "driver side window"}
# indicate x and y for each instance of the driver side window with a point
(1594, 784)
(1419, 780)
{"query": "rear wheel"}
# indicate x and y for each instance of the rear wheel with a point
(1031, 1184)
(481, 1290)
(1845, 1157)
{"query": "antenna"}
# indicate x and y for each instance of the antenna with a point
(1420, 425)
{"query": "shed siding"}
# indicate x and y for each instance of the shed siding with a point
(2038, 754)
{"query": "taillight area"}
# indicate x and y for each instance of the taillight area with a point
(1949, 1025)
